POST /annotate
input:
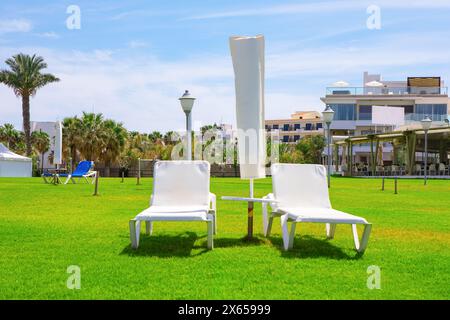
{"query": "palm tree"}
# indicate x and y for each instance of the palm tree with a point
(25, 78)
(71, 138)
(9, 135)
(41, 143)
(114, 138)
(91, 135)
(155, 136)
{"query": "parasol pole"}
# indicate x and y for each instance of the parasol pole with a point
(250, 212)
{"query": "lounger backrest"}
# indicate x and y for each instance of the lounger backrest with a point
(181, 183)
(303, 185)
(83, 167)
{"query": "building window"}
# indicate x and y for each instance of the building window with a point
(344, 111)
(296, 138)
(285, 138)
(285, 127)
(275, 127)
(297, 126)
(308, 126)
(365, 113)
(435, 111)
(319, 126)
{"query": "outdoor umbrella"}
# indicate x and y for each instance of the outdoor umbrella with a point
(57, 158)
(340, 83)
(248, 63)
(374, 84)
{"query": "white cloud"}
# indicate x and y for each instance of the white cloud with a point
(15, 25)
(322, 7)
(49, 35)
(142, 90)
(135, 44)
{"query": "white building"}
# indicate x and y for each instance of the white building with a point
(417, 96)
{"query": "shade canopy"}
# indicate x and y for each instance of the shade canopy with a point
(14, 165)
(340, 83)
(57, 158)
(374, 84)
(248, 63)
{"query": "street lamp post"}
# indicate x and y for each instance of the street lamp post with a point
(187, 102)
(328, 115)
(426, 124)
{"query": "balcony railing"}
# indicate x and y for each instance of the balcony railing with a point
(387, 91)
(414, 117)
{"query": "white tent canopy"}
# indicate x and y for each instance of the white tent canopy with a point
(340, 83)
(374, 84)
(14, 165)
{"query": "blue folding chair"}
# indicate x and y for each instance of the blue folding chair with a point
(83, 170)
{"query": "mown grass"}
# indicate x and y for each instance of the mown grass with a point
(46, 228)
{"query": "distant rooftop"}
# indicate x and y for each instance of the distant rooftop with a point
(374, 85)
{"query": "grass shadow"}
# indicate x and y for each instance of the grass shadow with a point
(309, 247)
(167, 246)
(239, 242)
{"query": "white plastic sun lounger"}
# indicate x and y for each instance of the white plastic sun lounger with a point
(180, 193)
(301, 195)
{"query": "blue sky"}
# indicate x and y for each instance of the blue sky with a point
(132, 59)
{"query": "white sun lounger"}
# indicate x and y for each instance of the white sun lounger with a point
(301, 195)
(180, 193)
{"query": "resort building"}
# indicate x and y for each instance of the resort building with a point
(416, 98)
(301, 124)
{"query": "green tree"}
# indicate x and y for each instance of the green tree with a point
(92, 135)
(71, 134)
(25, 78)
(41, 143)
(311, 148)
(114, 138)
(155, 136)
(9, 135)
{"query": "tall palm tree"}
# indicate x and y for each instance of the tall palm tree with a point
(41, 143)
(71, 134)
(9, 135)
(155, 136)
(114, 138)
(25, 78)
(91, 134)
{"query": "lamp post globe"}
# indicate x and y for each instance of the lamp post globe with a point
(328, 115)
(426, 125)
(187, 103)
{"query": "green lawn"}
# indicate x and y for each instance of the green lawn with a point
(46, 228)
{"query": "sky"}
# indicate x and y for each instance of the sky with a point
(132, 60)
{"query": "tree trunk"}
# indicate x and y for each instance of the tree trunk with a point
(107, 169)
(26, 122)
(42, 162)
(73, 154)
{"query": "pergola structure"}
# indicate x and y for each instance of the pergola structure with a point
(409, 138)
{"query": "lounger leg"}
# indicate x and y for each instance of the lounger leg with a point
(135, 228)
(264, 217)
(68, 179)
(210, 234)
(285, 231)
(292, 235)
(331, 228)
(215, 224)
(361, 247)
(269, 226)
(148, 228)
